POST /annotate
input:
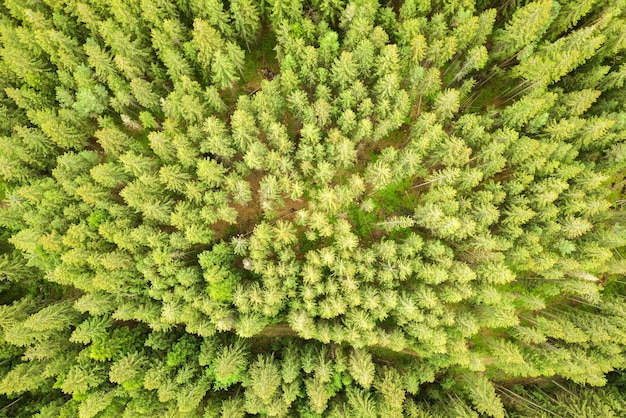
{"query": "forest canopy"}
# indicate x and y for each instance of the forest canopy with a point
(312, 208)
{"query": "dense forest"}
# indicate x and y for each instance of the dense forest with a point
(312, 208)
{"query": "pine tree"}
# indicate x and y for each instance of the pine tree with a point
(361, 403)
(344, 70)
(397, 197)
(246, 19)
(91, 329)
(447, 104)
(264, 379)
(127, 368)
(51, 318)
(362, 368)
(81, 378)
(229, 364)
(223, 70)
(483, 396)
(317, 395)
(526, 26)
(114, 141)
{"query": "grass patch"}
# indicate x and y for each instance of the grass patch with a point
(362, 222)
(260, 58)
(394, 198)
(489, 95)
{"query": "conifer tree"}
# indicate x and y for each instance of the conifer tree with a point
(527, 25)
(404, 209)
(246, 19)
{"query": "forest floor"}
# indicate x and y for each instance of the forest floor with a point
(261, 63)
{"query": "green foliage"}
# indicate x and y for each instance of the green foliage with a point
(264, 378)
(229, 365)
(181, 351)
(120, 341)
(22, 378)
(526, 26)
(322, 208)
(96, 218)
(221, 280)
(483, 396)
(362, 368)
